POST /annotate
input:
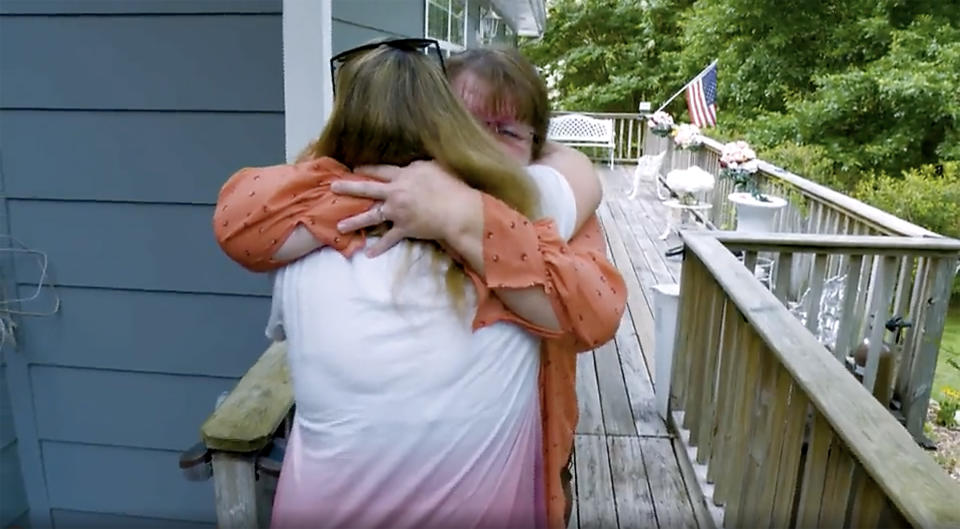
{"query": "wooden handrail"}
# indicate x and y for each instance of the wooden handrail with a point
(838, 244)
(247, 419)
(624, 115)
(879, 219)
(912, 481)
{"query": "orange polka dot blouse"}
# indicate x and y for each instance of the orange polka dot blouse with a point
(258, 208)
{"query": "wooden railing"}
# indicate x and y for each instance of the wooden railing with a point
(783, 435)
(238, 436)
(813, 208)
(629, 130)
(905, 281)
(855, 285)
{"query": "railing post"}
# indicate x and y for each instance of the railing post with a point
(235, 489)
(938, 297)
(239, 431)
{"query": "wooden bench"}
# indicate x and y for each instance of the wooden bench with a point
(578, 130)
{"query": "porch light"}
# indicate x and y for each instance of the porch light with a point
(489, 25)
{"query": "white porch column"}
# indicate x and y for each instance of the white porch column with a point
(307, 88)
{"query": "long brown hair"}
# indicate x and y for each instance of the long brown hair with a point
(395, 107)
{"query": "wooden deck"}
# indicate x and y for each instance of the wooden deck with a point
(627, 473)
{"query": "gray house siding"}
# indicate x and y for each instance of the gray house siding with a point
(119, 121)
(356, 22)
(14, 504)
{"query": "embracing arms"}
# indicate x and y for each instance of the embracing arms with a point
(557, 289)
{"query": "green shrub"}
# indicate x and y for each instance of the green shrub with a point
(927, 196)
(808, 161)
(949, 405)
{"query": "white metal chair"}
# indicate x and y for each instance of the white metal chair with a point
(578, 130)
(648, 167)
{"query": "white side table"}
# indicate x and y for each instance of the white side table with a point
(679, 210)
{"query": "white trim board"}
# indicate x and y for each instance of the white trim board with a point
(307, 86)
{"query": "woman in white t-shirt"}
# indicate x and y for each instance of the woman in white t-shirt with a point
(405, 416)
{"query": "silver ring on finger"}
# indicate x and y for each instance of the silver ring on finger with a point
(380, 214)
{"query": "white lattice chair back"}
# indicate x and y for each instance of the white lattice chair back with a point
(583, 131)
(579, 128)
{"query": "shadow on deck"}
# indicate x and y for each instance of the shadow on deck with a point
(627, 473)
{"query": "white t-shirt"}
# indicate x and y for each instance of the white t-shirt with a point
(404, 415)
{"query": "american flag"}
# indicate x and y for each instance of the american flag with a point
(702, 98)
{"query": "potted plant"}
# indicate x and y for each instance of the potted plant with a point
(687, 136)
(660, 123)
(755, 210)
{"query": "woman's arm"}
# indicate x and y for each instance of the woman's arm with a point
(549, 284)
(580, 174)
(268, 216)
(569, 289)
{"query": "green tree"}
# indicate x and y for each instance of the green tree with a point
(608, 55)
(832, 89)
(889, 115)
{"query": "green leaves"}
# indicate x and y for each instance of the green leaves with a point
(831, 89)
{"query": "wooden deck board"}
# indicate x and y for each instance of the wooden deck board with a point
(638, 383)
(588, 397)
(617, 416)
(670, 495)
(626, 473)
(596, 505)
(635, 507)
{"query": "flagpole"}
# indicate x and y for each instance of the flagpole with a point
(690, 82)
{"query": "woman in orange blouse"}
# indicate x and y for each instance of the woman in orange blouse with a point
(522, 263)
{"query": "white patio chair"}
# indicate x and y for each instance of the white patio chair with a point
(648, 166)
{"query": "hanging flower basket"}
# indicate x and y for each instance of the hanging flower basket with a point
(660, 123)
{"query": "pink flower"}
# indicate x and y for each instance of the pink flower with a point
(739, 155)
(687, 135)
(660, 120)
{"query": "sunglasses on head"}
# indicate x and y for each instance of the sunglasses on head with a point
(418, 45)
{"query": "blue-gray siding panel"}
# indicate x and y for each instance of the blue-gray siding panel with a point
(131, 481)
(7, 433)
(228, 62)
(105, 7)
(143, 410)
(347, 35)
(163, 332)
(88, 520)
(13, 502)
(133, 156)
(357, 21)
(129, 246)
(23, 522)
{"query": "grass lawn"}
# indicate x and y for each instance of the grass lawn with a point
(946, 374)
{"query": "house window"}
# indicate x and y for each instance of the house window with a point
(447, 22)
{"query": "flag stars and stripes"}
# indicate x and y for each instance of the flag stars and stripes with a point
(702, 98)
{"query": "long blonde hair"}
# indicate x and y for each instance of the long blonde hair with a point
(395, 107)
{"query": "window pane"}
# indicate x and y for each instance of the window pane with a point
(437, 21)
(456, 30)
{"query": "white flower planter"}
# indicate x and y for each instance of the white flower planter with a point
(754, 215)
(665, 300)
